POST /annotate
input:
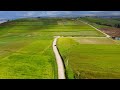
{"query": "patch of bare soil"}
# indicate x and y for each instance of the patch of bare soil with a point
(113, 32)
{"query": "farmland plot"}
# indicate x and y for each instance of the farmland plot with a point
(26, 45)
(85, 59)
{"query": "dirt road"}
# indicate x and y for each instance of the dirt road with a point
(96, 29)
(61, 72)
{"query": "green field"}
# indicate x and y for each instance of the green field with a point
(26, 50)
(90, 58)
(26, 55)
(105, 22)
(26, 45)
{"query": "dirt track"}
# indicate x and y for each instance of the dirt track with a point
(107, 35)
(61, 72)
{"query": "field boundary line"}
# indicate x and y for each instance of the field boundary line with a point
(96, 29)
(108, 36)
(85, 37)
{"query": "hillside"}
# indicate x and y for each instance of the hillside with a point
(110, 26)
(26, 45)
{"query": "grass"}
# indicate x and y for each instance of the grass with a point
(85, 60)
(27, 66)
(25, 53)
(27, 59)
(26, 46)
(118, 41)
(109, 26)
(94, 40)
(104, 21)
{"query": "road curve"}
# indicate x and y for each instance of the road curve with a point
(61, 72)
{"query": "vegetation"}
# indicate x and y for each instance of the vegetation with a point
(111, 22)
(26, 45)
(90, 60)
(25, 52)
(26, 48)
(110, 26)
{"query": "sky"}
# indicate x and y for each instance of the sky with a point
(22, 14)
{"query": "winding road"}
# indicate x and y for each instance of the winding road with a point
(61, 72)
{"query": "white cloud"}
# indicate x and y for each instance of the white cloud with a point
(88, 15)
(30, 13)
(46, 13)
(62, 13)
(116, 13)
(95, 11)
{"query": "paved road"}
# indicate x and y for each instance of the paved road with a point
(61, 72)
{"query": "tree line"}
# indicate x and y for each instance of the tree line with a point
(117, 25)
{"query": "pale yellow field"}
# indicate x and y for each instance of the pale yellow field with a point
(94, 40)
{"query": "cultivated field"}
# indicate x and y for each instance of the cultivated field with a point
(25, 52)
(110, 26)
(26, 45)
(90, 58)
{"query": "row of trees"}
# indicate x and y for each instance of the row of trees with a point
(113, 25)
(117, 25)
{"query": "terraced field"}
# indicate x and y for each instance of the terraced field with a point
(26, 45)
(90, 58)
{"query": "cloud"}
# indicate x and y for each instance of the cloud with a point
(58, 13)
(108, 13)
(88, 15)
(116, 13)
(29, 14)
(46, 13)
(95, 11)
(22, 14)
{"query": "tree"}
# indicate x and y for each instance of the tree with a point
(118, 25)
